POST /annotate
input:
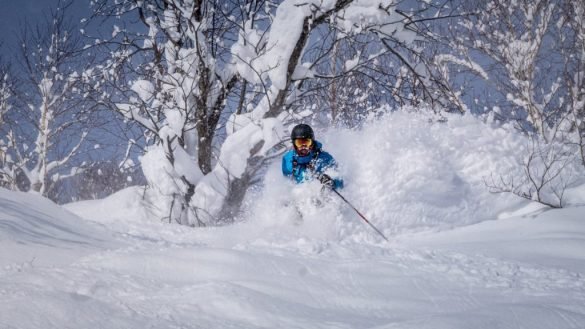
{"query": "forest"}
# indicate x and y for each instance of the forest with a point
(193, 99)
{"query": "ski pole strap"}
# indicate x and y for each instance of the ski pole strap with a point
(360, 214)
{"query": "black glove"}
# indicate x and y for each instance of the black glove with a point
(326, 180)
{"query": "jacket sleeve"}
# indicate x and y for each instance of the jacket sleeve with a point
(329, 163)
(287, 165)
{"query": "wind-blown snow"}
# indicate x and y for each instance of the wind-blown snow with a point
(410, 172)
(458, 256)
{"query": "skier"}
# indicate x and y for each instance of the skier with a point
(307, 161)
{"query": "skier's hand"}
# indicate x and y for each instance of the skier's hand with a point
(327, 181)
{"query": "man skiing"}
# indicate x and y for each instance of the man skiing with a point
(307, 161)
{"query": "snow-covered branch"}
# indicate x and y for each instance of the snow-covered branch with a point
(517, 46)
(49, 57)
(212, 82)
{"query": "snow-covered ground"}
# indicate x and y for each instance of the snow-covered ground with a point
(458, 256)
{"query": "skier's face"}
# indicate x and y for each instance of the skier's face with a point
(303, 146)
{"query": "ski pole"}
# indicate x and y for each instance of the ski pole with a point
(359, 213)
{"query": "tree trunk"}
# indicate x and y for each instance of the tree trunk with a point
(204, 151)
(233, 202)
(238, 187)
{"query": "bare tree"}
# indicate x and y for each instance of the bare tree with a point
(52, 112)
(7, 170)
(543, 177)
(573, 39)
(359, 70)
(529, 54)
(512, 39)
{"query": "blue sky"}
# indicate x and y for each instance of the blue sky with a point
(15, 12)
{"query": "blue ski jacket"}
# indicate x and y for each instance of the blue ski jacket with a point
(305, 168)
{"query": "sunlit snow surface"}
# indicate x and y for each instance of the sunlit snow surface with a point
(458, 256)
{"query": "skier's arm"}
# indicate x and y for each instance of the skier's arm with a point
(286, 166)
(330, 166)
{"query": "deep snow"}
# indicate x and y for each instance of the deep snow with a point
(458, 256)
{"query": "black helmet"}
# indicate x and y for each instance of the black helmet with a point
(302, 131)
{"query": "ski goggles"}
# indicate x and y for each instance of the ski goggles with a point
(300, 142)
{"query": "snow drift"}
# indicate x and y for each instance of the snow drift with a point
(34, 231)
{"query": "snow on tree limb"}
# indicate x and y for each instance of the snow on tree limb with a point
(196, 57)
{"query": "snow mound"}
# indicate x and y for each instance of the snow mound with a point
(33, 230)
(124, 205)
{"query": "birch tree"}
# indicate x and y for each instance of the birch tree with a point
(530, 51)
(574, 74)
(512, 37)
(54, 121)
(7, 172)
